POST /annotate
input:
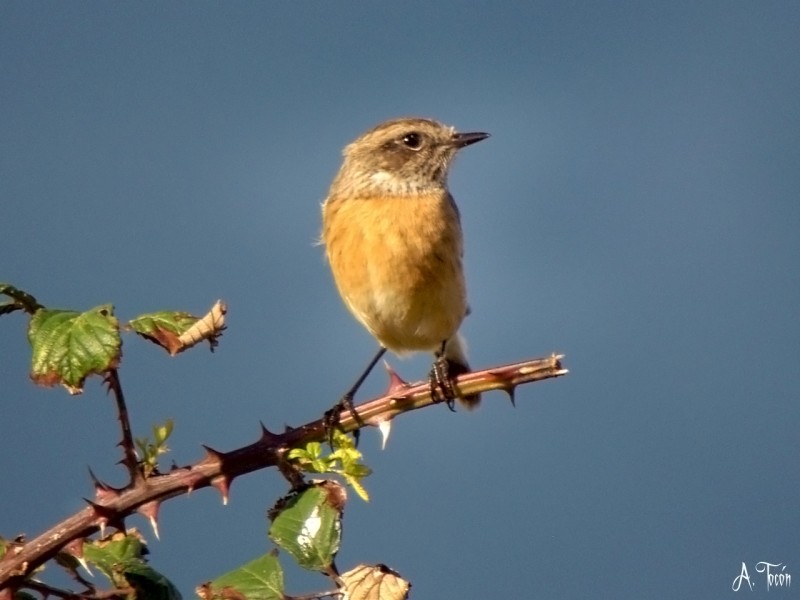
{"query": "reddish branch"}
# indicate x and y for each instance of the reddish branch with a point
(129, 453)
(111, 506)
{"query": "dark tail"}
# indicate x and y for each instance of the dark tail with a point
(457, 365)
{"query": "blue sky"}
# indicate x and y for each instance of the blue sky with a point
(635, 208)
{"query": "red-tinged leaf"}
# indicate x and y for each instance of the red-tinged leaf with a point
(69, 346)
(177, 331)
(164, 328)
(260, 579)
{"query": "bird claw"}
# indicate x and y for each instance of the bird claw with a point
(331, 418)
(441, 386)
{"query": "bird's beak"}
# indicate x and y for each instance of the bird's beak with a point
(465, 139)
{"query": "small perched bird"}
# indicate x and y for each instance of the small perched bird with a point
(392, 235)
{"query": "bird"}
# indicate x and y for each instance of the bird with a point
(393, 239)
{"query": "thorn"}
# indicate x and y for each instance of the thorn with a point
(82, 562)
(150, 511)
(192, 479)
(103, 492)
(103, 513)
(214, 455)
(266, 435)
(385, 428)
(223, 486)
(75, 548)
(396, 383)
(95, 481)
(510, 391)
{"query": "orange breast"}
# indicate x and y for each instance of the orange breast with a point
(397, 264)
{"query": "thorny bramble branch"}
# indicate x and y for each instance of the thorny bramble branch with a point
(111, 506)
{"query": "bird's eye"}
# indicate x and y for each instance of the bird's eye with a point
(413, 140)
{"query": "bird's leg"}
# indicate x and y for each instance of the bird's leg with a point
(331, 418)
(439, 379)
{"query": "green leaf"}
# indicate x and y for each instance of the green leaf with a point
(355, 483)
(151, 450)
(261, 579)
(314, 449)
(112, 555)
(345, 460)
(149, 583)
(161, 433)
(164, 328)
(117, 548)
(121, 559)
(308, 524)
(69, 346)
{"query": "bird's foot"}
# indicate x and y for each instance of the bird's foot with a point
(332, 417)
(441, 386)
